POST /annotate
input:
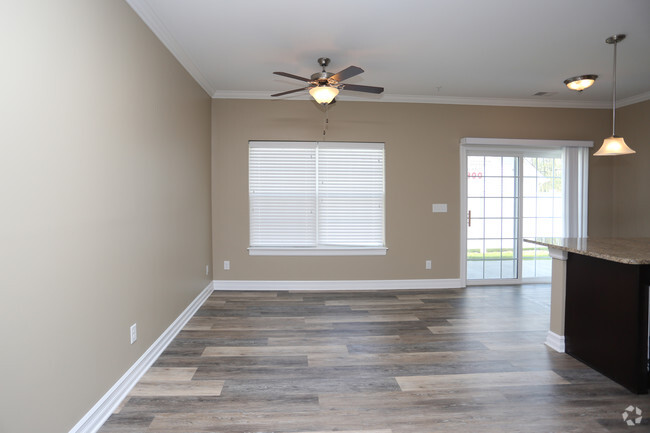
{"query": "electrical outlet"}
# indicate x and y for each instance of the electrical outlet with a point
(134, 332)
(226, 265)
(439, 207)
(207, 270)
(427, 264)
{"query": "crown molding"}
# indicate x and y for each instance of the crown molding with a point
(245, 94)
(148, 15)
(498, 102)
(451, 100)
(413, 99)
(641, 97)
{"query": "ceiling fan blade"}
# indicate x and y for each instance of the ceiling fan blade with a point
(291, 91)
(295, 77)
(346, 73)
(359, 88)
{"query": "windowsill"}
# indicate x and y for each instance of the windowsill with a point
(296, 251)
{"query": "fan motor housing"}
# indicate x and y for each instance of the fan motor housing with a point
(321, 76)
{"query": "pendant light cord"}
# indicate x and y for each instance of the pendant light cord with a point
(614, 94)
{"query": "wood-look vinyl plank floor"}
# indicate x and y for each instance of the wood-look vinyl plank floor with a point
(326, 340)
(389, 303)
(428, 358)
(413, 361)
(168, 374)
(355, 317)
(352, 431)
(207, 388)
(240, 363)
(468, 380)
(223, 404)
(273, 350)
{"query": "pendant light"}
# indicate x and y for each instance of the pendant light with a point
(614, 145)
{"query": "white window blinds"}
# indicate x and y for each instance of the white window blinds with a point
(351, 194)
(282, 179)
(316, 195)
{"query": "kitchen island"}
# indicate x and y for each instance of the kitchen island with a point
(599, 304)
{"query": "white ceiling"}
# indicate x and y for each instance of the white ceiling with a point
(495, 52)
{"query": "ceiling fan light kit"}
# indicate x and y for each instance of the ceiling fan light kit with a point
(324, 94)
(614, 145)
(324, 86)
(581, 82)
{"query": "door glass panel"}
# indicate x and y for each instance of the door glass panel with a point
(493, 187)
(493, 228)
(509, 186)
(509, 228)
(542, 210)
(509, 269)
(558, 208)
(509, 167)
(492, 219)
(509, 206)
(493, 166)
(544, 207)
(493, 207)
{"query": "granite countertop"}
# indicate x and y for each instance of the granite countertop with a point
(633, 251)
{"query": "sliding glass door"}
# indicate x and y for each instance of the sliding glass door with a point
(492, 217)
(511, 195)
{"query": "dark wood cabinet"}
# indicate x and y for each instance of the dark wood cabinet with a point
(606, 318)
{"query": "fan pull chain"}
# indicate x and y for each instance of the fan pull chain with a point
(325, 123)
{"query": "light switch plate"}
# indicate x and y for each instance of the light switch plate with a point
(439, 207)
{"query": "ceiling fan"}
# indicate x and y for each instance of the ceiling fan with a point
(324, 86)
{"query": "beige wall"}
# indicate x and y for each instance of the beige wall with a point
(105, 193)
(422, 167)
(105, 203)
(631, 185)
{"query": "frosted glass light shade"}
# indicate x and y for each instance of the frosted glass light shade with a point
(612, 146)
(324, 94)
(580, 83)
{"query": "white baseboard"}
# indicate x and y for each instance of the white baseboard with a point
(100, 412)
(555, 342)
(323, 285)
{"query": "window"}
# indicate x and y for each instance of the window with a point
(316, 198)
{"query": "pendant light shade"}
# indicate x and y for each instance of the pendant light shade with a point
(324, 94)
(614, 145)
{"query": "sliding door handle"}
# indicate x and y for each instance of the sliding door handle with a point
(469, 218)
